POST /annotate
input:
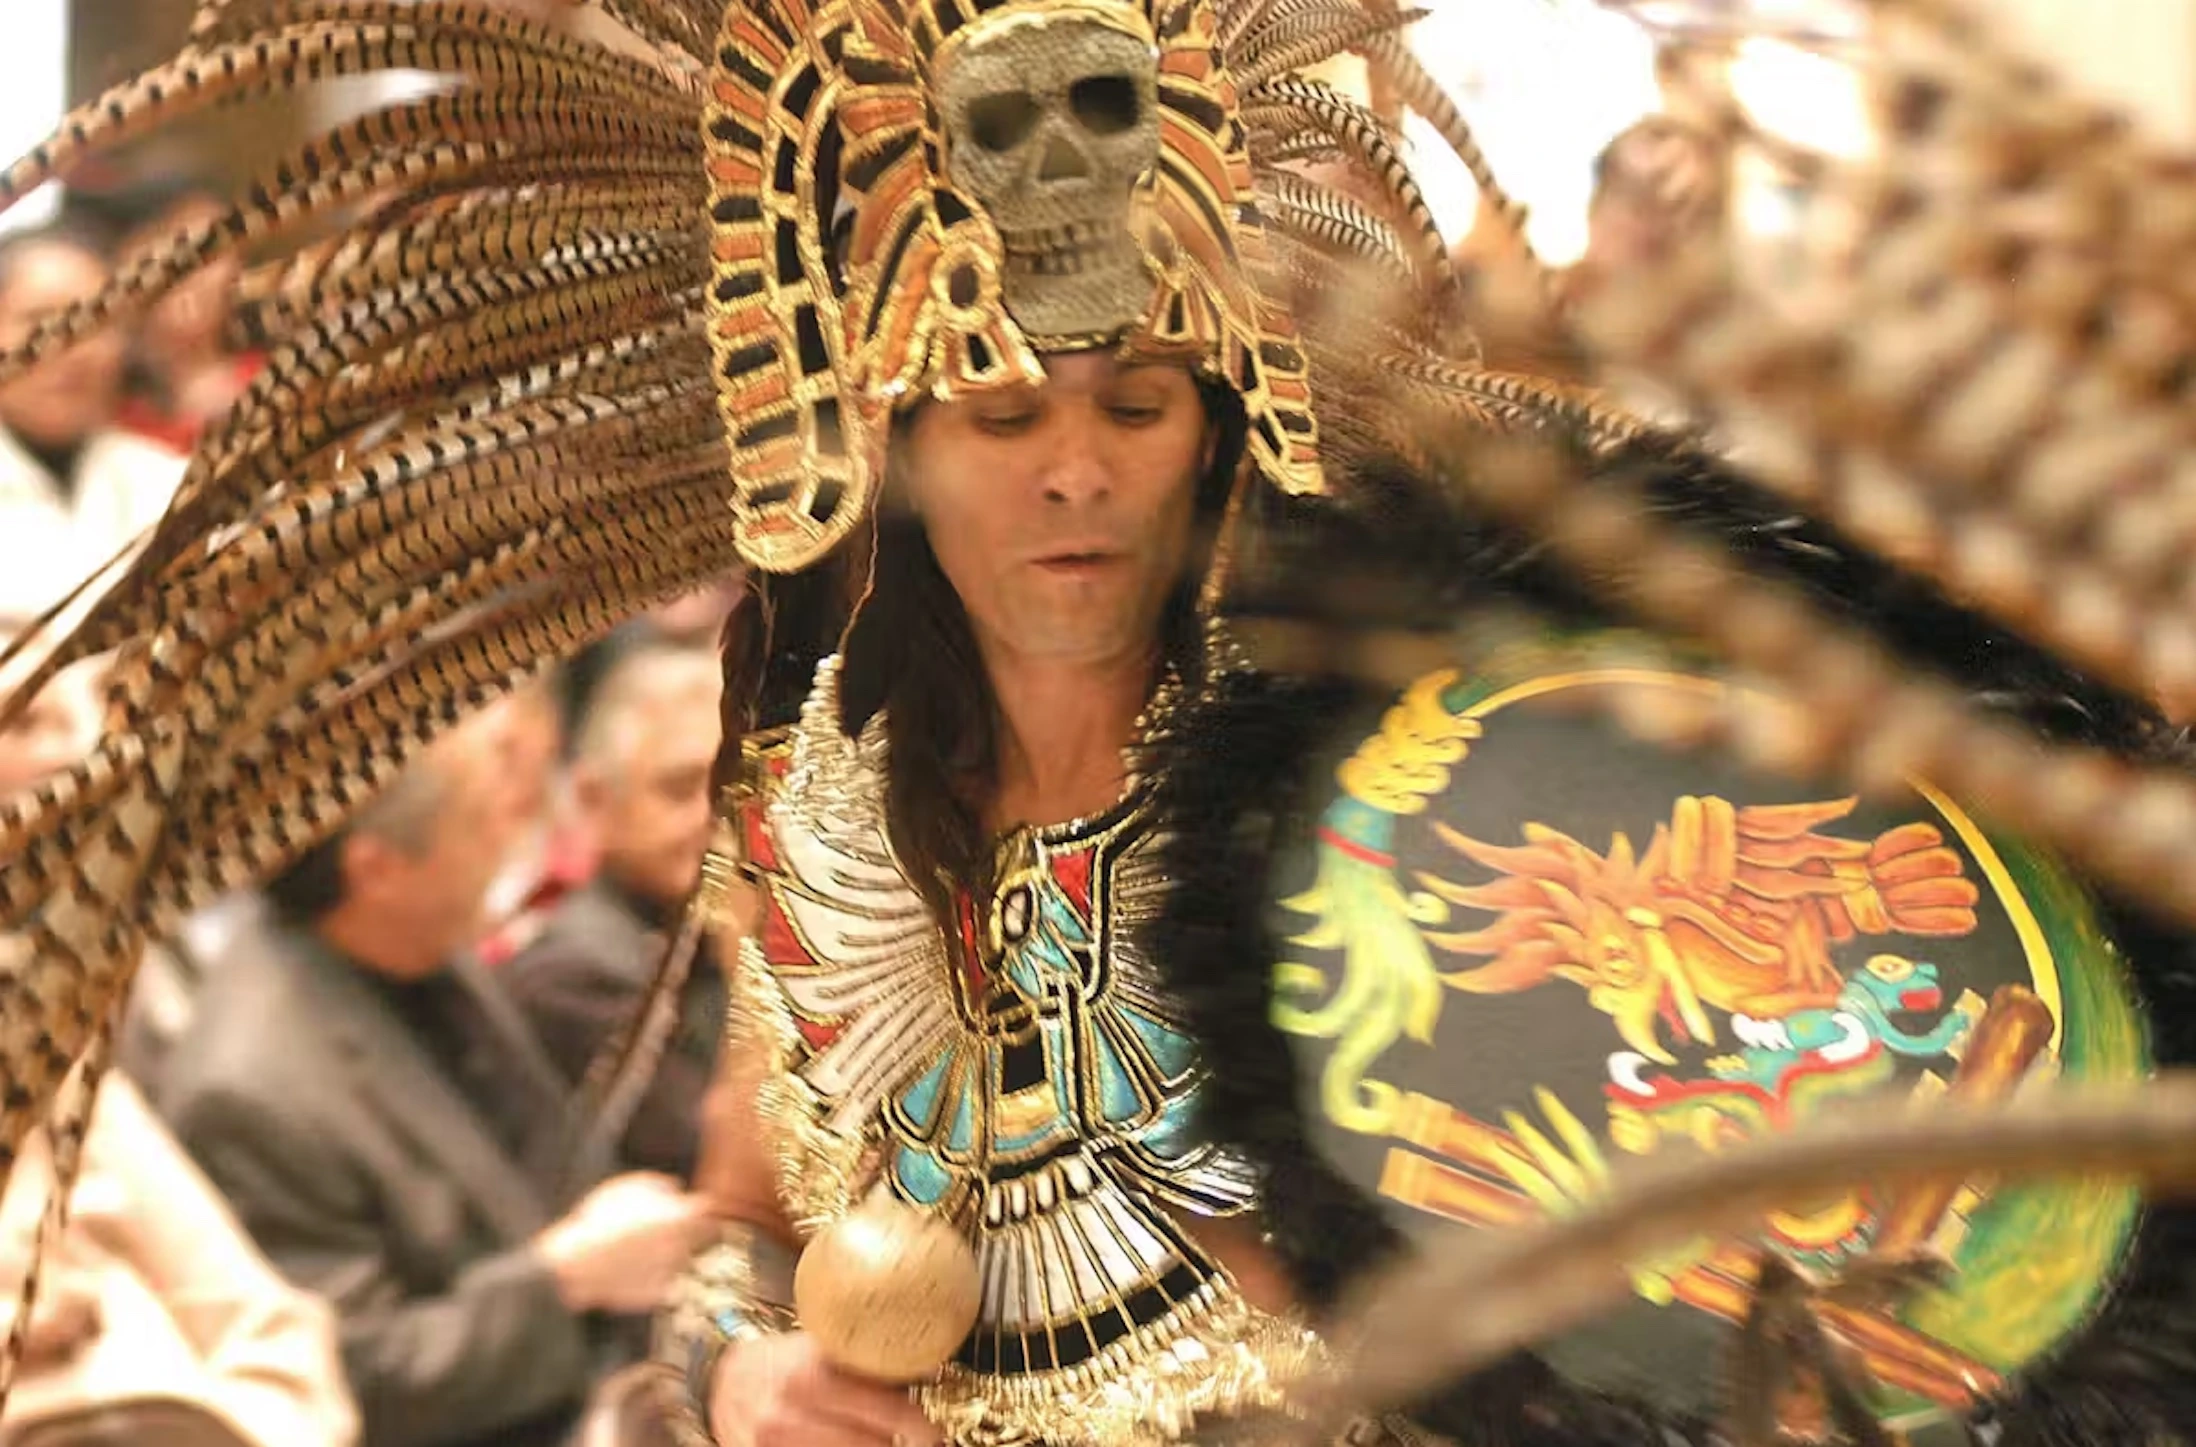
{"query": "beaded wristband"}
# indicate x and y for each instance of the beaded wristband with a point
(718, 1301)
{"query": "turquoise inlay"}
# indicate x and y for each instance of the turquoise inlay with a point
(1170, 1050)
(1361, 823)
(1117, 1100)
(963, 1134)
(1044, 955)
(1046, 947)
(1173, 1134)
(920, 1102)
(1059, 1067)
(922, 1176)
(1062, 916)
(1022, 970)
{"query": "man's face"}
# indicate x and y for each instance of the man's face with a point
(194, 315)
(72, 394)
(435, 893)
(1063, 515)
(651, 808)
(1660, 190)
(526, 735)
(53, 733)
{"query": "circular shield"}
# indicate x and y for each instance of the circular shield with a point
(1522, 945)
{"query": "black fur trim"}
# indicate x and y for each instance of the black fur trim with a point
(1228, 819)
(1241, 784)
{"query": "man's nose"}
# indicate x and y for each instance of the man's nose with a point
(1076, 471)
(699, 817)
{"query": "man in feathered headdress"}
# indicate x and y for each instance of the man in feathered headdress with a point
(967, 328)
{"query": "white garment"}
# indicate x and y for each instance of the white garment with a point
(181, 1302)
(51, 540)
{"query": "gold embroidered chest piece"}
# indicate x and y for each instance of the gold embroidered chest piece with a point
(1030, 1081)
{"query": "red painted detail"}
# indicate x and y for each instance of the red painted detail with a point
(1356, 850)
(780, 946)
(1776, 1104)
(755, 840)
(1072, 873)
(972, 960)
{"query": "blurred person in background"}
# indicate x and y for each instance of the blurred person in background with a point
(157, 1319)
(1659, 186)
(59, 726)
(184, 372)
(75, 489)
(551, 851)
(640, 779)
(698, 617)
(378, 1114)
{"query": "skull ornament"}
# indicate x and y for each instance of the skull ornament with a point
(1051, 118)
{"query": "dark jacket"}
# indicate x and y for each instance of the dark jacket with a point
(580, 981)
(366, 1174)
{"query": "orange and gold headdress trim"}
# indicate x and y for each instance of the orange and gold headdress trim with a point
(917, 200)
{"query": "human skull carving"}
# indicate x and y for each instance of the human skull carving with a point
(1050, 121)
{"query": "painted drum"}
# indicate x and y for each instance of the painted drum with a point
(1522, 945)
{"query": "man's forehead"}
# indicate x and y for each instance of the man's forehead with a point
(47, 270)
(473, 748)
(1093, 367)
(676, 700)
(675, 749)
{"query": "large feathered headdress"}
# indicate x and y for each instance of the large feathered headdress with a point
(600, 323)
(1006, 178)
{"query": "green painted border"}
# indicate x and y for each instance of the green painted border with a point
(2037, 1262)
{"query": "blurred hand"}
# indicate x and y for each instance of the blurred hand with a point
(779, 1391)
(621, 1247)
(64, 1319)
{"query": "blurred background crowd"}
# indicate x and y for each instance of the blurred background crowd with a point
(334, 1190)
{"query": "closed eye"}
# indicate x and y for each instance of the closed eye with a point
(1005, 424)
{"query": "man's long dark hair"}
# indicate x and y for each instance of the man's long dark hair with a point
(911, 652)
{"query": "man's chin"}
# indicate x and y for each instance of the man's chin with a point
(55, 429)
(1076, 641)
(1092, 621)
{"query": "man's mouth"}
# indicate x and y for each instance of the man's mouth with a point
(1076, 562)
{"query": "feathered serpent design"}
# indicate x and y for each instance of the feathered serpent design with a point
(492, 420)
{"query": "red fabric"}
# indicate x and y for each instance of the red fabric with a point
(1072, 872)
(139, 417)
(568, 863)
